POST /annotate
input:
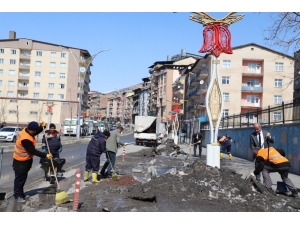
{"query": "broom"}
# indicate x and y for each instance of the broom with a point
(61, 196)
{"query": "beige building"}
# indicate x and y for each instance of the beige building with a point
(252, 78)
(163, 75)
(36, 77)
(97, 103)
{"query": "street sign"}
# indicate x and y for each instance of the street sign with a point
(82, 69)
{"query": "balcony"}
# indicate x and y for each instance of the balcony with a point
(23, 88)
(23, 77)
(25, 56)
(24, 66)
(255, 73)
(252, 89)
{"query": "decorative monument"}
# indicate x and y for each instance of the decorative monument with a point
(217, 39)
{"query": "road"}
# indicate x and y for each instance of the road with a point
(75, 159)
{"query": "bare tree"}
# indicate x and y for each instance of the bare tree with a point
(285, 31)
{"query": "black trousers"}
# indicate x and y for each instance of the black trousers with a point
(19, 182)
(200, 149)
(92, 163)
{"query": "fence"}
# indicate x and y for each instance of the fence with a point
(278, 114)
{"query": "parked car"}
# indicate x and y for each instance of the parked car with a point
(113, 127)
(9, 133)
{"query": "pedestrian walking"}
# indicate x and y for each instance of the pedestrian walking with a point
(24, 151)
(271, 160)
(258, 140)
(225, 142)
(54, 141)
(197, 142)
(112, 144)
(95, 148)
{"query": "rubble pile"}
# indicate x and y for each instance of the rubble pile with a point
(169, 148)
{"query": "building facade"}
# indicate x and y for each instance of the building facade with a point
(39, 81)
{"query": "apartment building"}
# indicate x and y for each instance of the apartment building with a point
(163, 75)
(97, 103)
(297, 78)
(252, 78)
(39, 81)
(142, 108)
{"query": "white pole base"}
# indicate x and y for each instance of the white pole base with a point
(213, 155)
(175, 139)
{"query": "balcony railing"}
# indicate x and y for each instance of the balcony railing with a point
(251, 88)
(24, 66)
(22, 88)
(23, 77)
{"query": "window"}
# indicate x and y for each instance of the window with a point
(253, 67)
(278, 82)
(50, 96)
(26, 53)
(13, 101)
(38, 63)
(12, 111)
(24, 84)
(51, 74)
(277, 116)
(0, 93)
(63, 55)
(11, 83)
(37, 84)
(39, 53)
(252, 99)
(37, 73)
(278, 66)
(61, 86)
(63, 65)
(226, 64)
(51, 85)
(60, 96)
(53, 54)
(50, 103)
(52, 64)
(1, 71)
(1, 61)
(251, 115)
(1, 50)
(65, 103)
(226, 97)
(0, 82)
(34, 102)
(10, 94)
(225, 80)
(24, 74)
(22, 94)
(277, 99)
(225, 112)
(36, 95)
(252, 83)
(12, 61)
(13, 51)
(62, 75)
(11, 72)
(33, 113)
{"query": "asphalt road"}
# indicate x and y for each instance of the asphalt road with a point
(75, 159)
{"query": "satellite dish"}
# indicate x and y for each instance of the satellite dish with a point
(201, 82)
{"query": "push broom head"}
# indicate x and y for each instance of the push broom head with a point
(61, 197)
(115, 177)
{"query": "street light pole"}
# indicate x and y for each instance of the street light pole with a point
(82, 69)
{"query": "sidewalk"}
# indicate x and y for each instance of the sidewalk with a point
(241, 166)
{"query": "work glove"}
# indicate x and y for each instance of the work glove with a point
(199, 142)
(252, 175)
(49, 156)
(43, 124)
(60, 150)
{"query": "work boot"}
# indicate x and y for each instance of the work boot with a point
(230, 156)
(86, 176)
(295, 194)
(20, 200)
(94, 178)
(221, 155)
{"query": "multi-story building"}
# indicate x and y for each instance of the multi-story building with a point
(163, 75)
(97, 105)
(144, 98)
(297, 78)
(39, 81)
(252, 78)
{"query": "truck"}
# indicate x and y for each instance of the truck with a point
(92, 126)
(70, 126)
(147, 130)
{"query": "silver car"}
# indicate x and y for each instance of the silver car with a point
(9, 133)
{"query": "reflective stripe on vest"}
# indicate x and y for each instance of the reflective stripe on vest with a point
(274, 156)
(20, 153)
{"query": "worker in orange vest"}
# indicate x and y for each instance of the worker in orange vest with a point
(24, 150)
(271, 160)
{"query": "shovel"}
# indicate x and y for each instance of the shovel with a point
(2, 194)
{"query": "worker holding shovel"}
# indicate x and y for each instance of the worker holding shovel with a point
(24, 150)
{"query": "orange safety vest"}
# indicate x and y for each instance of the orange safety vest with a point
(20, 153)
(274, 156)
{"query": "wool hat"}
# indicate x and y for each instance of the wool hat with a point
(106, 133)
(52, 125)
(33, 126)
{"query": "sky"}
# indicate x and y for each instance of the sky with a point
(136, 38)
